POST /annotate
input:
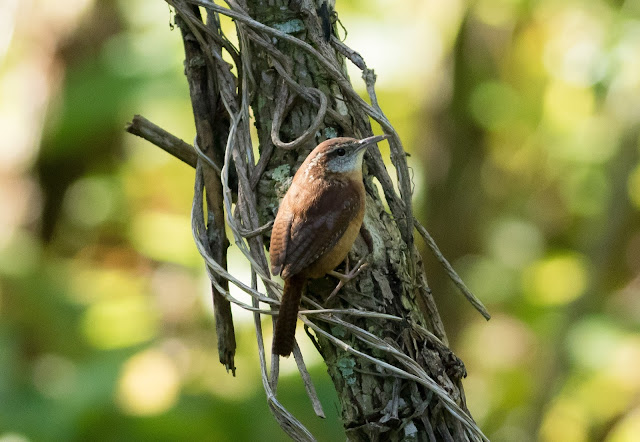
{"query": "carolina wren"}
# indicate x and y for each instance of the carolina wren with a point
(317, 223)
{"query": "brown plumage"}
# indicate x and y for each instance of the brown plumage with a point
(318, 220)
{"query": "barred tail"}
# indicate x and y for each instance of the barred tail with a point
(287, 317)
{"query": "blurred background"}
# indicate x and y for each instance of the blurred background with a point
(523, 123)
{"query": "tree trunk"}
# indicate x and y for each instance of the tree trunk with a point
(396, 379)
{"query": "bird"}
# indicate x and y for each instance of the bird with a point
(316, 225)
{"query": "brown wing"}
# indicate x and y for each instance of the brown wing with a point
(318, 225)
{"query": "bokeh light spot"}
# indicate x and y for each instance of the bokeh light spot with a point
(601, 396)
(149, 384)
(590, 143)
(501, 344)
(120, 322)
(592, 342)
(90, 201)
(516, 243)
(90, 284)
(565, 421)
(165, 237)
(574, 51)
(566, 106)
(594, 141)
(556, 280)
(625, 362)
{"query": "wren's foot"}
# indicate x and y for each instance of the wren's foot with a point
(345, 277)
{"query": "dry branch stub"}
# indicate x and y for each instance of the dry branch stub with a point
(381, 338)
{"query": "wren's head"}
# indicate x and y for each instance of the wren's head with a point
(339, 155)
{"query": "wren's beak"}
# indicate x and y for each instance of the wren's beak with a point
(366, 142)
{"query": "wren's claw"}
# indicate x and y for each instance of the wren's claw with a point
(345, 277)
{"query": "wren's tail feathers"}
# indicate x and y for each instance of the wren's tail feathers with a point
(287, 317)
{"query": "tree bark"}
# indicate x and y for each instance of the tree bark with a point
(396, 379)
(374, 403)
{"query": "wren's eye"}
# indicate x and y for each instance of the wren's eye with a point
(340, 152)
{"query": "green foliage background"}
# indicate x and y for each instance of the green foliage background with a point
(522, 119)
